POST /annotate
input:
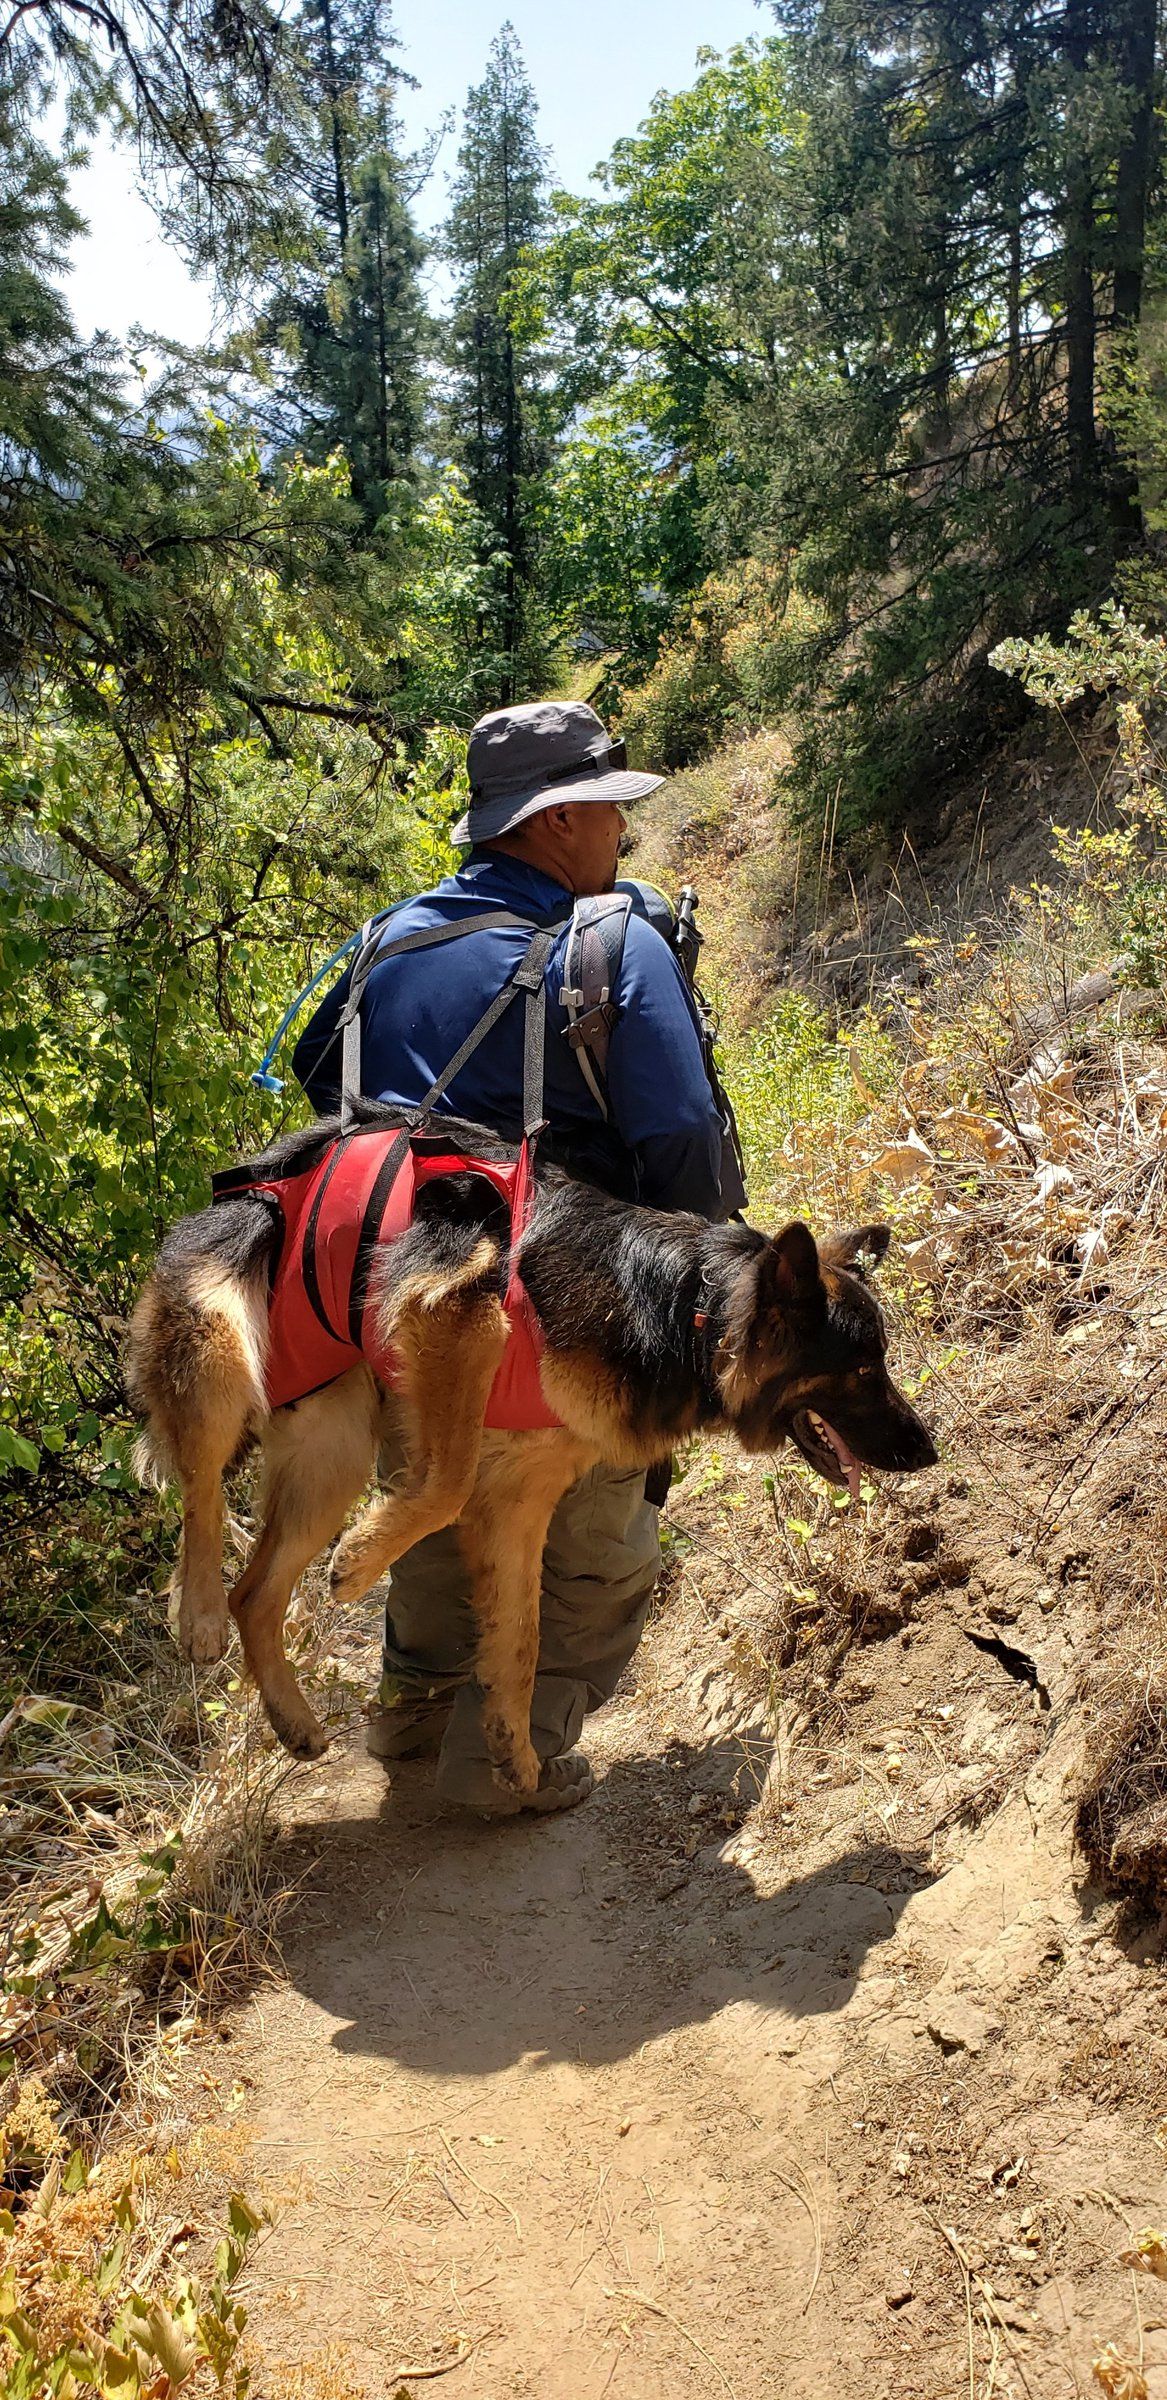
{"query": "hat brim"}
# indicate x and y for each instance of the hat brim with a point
(485, 820)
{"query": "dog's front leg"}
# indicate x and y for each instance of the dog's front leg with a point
(503, 1532)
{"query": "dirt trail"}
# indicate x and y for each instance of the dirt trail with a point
(675, 2094)
(541, 2109)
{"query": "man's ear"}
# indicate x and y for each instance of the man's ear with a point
(850, 1250)
(788, 1271)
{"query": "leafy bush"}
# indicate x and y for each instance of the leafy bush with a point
(793, 1071)
(736, 663)
(80, 2311)
(1123, 871)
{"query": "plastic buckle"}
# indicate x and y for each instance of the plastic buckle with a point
(599, 1019)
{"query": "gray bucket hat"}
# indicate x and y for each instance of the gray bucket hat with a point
(536, 756)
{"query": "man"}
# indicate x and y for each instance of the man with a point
(544, 825)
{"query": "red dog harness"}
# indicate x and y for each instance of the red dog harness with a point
(333, 1217)
(335, 1214)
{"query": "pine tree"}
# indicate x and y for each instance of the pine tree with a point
(863, 285)
(342, 327)
(497, 213)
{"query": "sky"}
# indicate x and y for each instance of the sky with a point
(595, 68)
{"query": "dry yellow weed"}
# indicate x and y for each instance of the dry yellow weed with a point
(1119, 2377)
(1149, 2254)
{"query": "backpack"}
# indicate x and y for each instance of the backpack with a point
(592, 963)
(595, 952)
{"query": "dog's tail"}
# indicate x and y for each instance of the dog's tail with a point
(197, 1350)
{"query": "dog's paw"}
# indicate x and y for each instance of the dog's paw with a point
(515, 1763)
(304, 1736)
(351, 1572)
(204, 1638)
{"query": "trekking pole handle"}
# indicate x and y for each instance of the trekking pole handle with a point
(688, 936)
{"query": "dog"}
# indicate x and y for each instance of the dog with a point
(653, 1327)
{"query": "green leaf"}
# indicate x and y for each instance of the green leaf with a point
(16, 1451)
(120, 2377)
(40, 1710)
(244, 2218)
(107, 2274)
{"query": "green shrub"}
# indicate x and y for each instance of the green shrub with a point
(794, 1071)
(1122, 873)
(736, 663)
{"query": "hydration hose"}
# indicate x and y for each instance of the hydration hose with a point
(262, 1077)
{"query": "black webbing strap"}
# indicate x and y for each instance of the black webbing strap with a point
(375, 1206)
(308, 1254)
(528, 978)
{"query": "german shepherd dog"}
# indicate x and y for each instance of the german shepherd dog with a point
(655, 1326)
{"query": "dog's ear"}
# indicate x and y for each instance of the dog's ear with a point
(852, 1250)
(788, 1270)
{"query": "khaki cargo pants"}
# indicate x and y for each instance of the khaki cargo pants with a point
(600, 1565)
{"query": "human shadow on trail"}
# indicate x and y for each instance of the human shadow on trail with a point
(459, 1948)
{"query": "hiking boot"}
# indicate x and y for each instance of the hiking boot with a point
(469, 1783)
(407, 1729)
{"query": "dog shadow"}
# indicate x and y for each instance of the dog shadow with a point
(457, 1947)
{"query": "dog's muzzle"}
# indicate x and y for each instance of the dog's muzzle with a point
(825, 1450)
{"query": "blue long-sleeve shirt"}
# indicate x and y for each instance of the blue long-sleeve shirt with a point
(663, 1143)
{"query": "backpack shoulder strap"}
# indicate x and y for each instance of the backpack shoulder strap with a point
(372, 949)
(591, 968)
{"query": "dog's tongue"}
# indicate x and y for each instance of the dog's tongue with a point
(849, 1465)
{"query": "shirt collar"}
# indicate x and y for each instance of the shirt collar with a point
(512, 880)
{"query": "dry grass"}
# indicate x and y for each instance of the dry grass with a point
(140, 1886)
(1122, 1807)
(141, 1890)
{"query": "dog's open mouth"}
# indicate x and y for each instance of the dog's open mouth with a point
(825, 1450)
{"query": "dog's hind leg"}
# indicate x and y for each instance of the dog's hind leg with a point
(196, 1371)
(318, 1457)
(450, 1344)
(521, 1480)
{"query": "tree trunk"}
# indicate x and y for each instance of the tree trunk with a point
(1135, 62)
(1015, 188)
(511, 439)
(1078, 265)
(382, 351)
(332, 90)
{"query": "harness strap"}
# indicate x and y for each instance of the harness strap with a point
(308, 1253)
(529, 979)
(375, 1206)
(348, 1025)
(500, 1003)
(372, 950)
(430, 934)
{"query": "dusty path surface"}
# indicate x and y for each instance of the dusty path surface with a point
(679, 2093)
